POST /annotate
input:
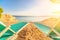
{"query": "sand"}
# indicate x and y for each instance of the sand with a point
(49, 22)
(8, 19)
(30, 32)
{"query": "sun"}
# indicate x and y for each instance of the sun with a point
(55, 1)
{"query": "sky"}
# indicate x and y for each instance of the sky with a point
(10, 6)
(16, 4)
(29, 7)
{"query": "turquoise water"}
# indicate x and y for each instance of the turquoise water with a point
(18, 26)
(6, 35)
(2, 27)
(43, 28)
(15, 27)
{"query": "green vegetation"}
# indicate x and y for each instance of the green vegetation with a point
(1, 11)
